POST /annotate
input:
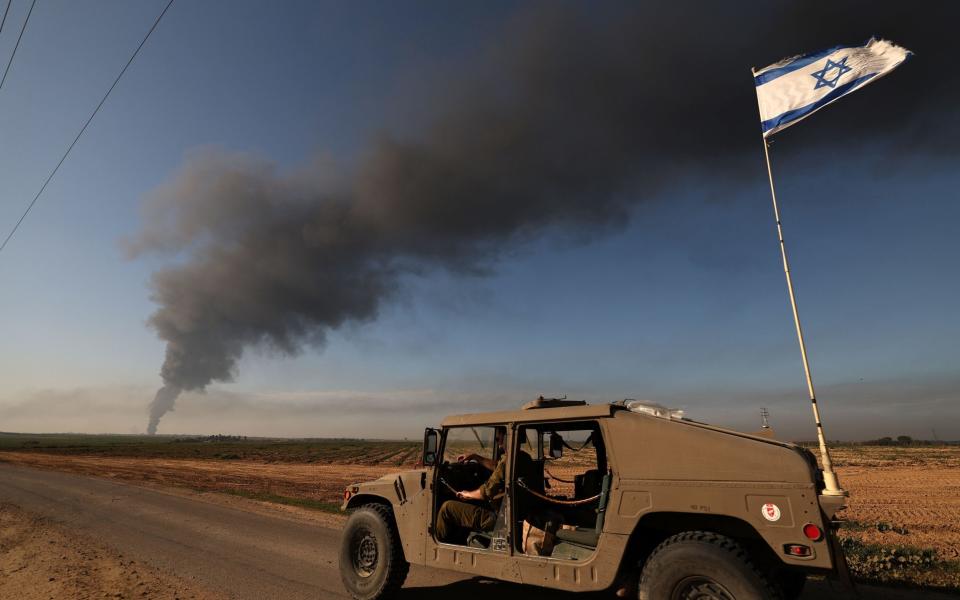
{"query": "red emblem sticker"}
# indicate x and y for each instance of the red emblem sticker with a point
(770, 511)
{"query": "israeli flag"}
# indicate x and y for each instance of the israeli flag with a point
(797, 87)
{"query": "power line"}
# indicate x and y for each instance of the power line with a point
(19, 37)
(85, 125)
(5, 11)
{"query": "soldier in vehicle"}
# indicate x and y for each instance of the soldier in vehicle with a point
(661, 535)
(456, 518)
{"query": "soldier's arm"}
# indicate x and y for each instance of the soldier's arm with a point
(483, 460)
(476, 494)
(492, 487)
(494, 484)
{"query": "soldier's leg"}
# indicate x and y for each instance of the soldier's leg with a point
(456, 519)
(450, 522)
(483, 519)
(477, 518)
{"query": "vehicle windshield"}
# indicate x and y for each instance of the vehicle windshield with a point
(465, 441)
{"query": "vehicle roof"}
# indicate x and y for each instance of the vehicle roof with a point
(587, 411)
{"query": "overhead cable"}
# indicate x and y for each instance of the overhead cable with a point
(19, 37)
(85, 125)
(5, 11)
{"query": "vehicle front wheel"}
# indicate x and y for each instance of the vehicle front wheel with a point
(700, 565)
(372, 565)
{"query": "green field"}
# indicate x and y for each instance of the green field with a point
(351, 451)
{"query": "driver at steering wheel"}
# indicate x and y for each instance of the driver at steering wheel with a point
(456, 518)
(483, 460)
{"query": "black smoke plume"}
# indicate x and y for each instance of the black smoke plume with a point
(578, 114)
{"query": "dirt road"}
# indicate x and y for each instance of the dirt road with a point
(237, 548)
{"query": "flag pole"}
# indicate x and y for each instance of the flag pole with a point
(832, 486)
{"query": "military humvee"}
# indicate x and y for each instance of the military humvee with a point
(643, 502)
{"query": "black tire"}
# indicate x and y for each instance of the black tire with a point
(705, 566)
(372, 565)
(791, 583)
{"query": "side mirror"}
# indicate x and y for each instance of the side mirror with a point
(556, 445)
(431, 441)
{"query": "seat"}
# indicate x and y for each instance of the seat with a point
(587, 484)
(590, 536)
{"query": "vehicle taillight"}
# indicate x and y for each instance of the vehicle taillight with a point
(812, 532)
(346, 494)
(797, 550)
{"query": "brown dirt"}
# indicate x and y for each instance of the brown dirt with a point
(899, 495)
(315, 481)
(321, 482)
(903, 496)
(40, 560)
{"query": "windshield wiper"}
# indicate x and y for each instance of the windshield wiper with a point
(479, 441)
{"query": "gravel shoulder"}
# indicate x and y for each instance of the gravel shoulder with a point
(41, 560)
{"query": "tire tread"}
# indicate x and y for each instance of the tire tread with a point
(730, 546)
(398, 567)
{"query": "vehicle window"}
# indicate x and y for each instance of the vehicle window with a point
(464, 441)
(560, 470)
(528, 441)
(561, 455)
(579, 456)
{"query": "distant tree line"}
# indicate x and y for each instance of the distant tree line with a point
(213, 438)
(900, 440)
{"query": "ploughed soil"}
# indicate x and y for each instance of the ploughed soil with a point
(322, 484)
(41, 560)
(900, 496)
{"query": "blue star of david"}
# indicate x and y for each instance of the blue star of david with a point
(821, 75)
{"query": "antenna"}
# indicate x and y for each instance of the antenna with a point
(764, 414)
(830, 482)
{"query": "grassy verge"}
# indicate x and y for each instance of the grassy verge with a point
(900, 565)
(330, 507)
(881, 526)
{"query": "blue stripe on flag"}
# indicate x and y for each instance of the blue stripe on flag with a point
(799, 113)
(798, 63)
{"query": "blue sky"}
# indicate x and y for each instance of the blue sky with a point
(685, 304)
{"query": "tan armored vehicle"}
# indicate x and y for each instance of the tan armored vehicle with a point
(627, 497)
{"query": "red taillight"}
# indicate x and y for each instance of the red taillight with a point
(798, 550)
(812, 532)
(346, 494)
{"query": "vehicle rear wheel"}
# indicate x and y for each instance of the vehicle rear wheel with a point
(792, 583)
(372, 565)
(700, 565)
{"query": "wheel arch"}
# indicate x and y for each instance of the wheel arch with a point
(653, 528)
(359, 500)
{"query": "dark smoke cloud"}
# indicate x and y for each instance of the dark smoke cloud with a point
(579, 114)
(162, 403)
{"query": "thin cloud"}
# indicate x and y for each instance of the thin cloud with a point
(580, 116)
